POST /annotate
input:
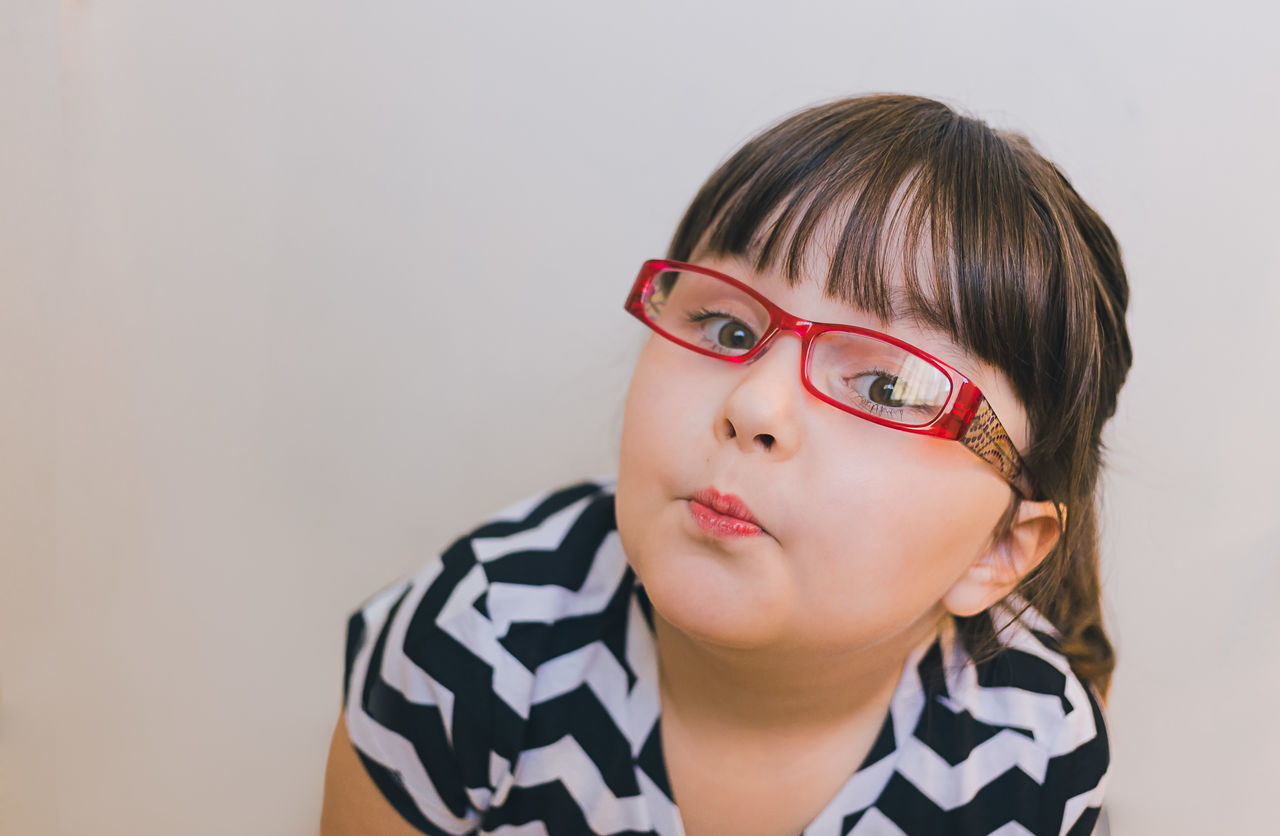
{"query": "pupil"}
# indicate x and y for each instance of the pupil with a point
(733, 335)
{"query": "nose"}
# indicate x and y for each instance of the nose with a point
(761, 412)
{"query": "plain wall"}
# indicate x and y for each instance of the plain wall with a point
(293, 292)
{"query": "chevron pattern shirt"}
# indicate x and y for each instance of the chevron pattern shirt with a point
(511, 688)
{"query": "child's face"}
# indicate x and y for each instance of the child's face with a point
(864, 528)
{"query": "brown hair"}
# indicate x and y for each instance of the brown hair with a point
(1022, 273)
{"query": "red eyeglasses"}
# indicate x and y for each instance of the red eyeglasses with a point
(863, 372)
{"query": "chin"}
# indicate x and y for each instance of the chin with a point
(724, 605)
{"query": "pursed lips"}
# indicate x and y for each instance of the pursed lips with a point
(723, 514)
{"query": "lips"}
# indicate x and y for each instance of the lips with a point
(724, 515)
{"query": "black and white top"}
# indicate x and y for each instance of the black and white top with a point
(510, 688)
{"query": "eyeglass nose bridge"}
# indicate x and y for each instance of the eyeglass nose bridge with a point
(782, 321)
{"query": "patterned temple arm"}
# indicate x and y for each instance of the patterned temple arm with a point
(987, 438)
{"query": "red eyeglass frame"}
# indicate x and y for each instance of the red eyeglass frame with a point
(969, 420)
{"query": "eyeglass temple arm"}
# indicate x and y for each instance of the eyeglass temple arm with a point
(988, 440)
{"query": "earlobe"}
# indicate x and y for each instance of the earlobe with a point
(1008, 559)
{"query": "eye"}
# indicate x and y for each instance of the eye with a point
(870, 375)
(889, 395)
(880, 389)
(724, 333)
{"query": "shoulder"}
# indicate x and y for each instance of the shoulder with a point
(543, 540)
(440, 666)
(1023, 738)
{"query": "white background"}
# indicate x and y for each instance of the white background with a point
(292, 292)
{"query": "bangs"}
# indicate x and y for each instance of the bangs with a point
(917, 212)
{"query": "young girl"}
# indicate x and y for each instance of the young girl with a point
(847, 578)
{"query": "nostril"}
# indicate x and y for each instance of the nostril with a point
(766, 440)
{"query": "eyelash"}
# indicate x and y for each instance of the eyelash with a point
(704, 314)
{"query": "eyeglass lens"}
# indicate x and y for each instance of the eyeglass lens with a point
(860, 372)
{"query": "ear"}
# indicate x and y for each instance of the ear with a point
(1008, 558)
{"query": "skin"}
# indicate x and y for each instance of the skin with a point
(353, 804)
(786, 647)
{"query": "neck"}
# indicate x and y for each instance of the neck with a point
(763, 691)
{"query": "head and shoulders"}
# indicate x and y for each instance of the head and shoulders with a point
(880, 565)
(873, 565)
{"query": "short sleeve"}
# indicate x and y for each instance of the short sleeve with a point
(1076, 777)
(1066, 718)
(418, 695)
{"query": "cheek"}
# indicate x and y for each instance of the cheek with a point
(647, 426)
(902, 534)
(655, 439)
(668, 414)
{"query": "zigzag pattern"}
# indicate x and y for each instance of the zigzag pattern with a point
(510, 688)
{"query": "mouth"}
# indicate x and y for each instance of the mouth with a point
(723, 515)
